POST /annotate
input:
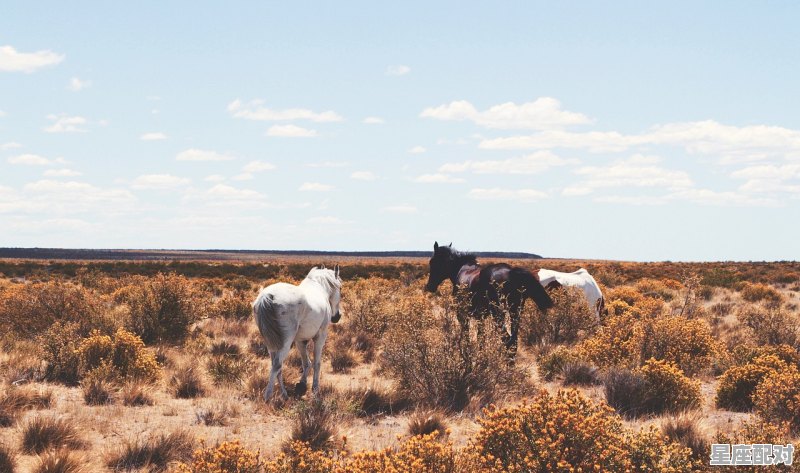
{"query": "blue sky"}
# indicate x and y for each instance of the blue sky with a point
(621, 130)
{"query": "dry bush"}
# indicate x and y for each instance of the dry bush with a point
(154, 452)
(8, 460)
(551, 363)
(371, 305)
(580, 373)
(187, 383)
(376, 400)
(216, 416)
(229, 369)
(568, 319)
(162, 307)
(578, 433)
(15, 400)
(777, 397)
(427, 422)
(97, 392)
(771, 325)
(61, 461)
(664, 289)
(136, 394)
(255, 385)
(30, 309)
(60, 345)
(236, 305)
(123, 357)
(737, 385)
(760, 292)
(685, 429)
(43, 433)
(437, 362)
(655, 388)
(225, 347)
(258, 347)
(222, 458)
(342, 359)
(315, 425)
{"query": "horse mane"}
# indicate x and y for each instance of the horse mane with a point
(325, 278)
(463, 257)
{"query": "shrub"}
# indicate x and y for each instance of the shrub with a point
(771, 325)
(342, 360)
(567, 432)
(123, 357)
(551, 363)
(187, 383)
(569, 317)
(217, 416)
(134, 395)
(427, 422)
(42, 433)
(371, 305)
(97, 392)
(255, 385)
(161, 307)
(580, 373)
(16, 400)
(8, 460)
(60, 461)
(758, 432)
(438, 362)
(225, 347)
(656, 387)
(376, 401)
(228, 369)
(314, 425)
(59, 345)
(422, 453)
(685, 429)
(777, 397)
(227, 457)
(737, 384)
(760, 292)
(155, 452)
(235, 305)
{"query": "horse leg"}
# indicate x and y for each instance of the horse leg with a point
(276, 372)
(319, 343)
(302, 386)
(515, 308)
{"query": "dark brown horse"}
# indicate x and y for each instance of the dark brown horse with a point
(490, 287)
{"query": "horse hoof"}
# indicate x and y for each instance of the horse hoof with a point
(300, 389)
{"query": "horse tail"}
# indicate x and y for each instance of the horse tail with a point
(269, 325)
(533, 289)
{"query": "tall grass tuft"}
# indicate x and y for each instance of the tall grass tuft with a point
(60, 461)
(154, 452)
(43, 433)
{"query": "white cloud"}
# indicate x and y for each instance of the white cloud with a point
(400, 209)
(34, 160)
(769, 179)
(12, 60)
(257, 166)
(531, 164)
(245, 176)
(159, 181)
(417, 150)
(438, 178)
(153, 136)
(327, 220)
(63, 123)
(315, 187)
(374, 121)
(9, 145)
(397, 70)
(291, 131)
(636, 171)
(214, 178)
(541, 114)
(2, 114)
(363, 176)
(62, 173)
(76, 84)
(328, 164)
(696, 196)
(255, 110)
(523, 195)
(730, 143)
(194, 154)
(66, 197)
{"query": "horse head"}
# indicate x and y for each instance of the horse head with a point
(440, 266)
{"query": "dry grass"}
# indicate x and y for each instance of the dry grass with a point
(97, 392)
(315, 424)
(42, 433)
(8, 459)
(135, 394)
(153, 452)
(187, 383)
(685, 428)
(17, 400)
(427, 422)
(61, 461)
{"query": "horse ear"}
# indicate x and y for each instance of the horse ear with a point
(450, 245)
(435, 245)
(336, 271)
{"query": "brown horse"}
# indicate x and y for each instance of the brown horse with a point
(489, 287)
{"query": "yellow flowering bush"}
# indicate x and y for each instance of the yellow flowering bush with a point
(227, 457)
(119, 358)
(777, 397)
(759, 432)
(567, 432)
(755, 292)
(738, 383)
(668, 389)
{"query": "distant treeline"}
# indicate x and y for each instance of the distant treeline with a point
(220, 255)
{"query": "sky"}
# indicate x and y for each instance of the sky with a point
(606, 130)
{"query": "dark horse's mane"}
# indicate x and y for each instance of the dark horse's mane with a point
(464, 257)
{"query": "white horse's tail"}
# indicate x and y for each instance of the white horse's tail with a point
(268, 323)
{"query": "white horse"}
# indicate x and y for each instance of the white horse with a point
(581, 279)
(286, 313)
